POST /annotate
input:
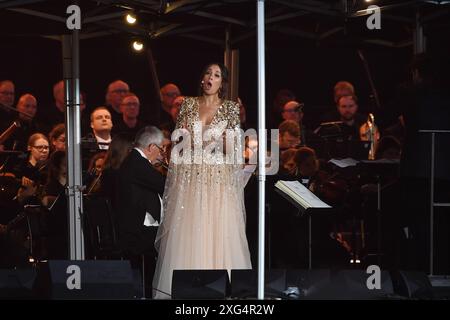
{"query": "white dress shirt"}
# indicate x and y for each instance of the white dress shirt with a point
(103, 146)
(149, 221)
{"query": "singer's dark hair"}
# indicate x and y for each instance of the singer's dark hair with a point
(224, 71)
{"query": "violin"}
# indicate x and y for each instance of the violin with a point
(162, 164)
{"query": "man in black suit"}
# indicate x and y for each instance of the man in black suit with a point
(139, 200)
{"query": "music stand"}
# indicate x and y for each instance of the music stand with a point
(379, 169)
(338, 144)
(309, 212)
(330, 130)
(358, 150)
(31, 216)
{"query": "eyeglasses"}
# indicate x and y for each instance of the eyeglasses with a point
(41, 148)
(160, 149)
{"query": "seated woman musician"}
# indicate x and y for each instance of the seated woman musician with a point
(32, 171)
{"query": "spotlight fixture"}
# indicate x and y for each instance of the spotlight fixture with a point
(138, 45)
(131, 18)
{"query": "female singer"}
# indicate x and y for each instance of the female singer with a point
(204, 215)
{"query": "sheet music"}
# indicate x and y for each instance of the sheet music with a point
(301, 194)
(344, 163)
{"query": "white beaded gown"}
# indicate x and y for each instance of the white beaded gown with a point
(203, 224)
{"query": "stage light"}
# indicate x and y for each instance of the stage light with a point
(131, 18)
(138, 45)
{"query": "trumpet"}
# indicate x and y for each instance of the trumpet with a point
(369, 132)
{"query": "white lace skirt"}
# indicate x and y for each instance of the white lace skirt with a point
(203, 225)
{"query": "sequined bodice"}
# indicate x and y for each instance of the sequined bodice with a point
(207, 142)
(189, 114)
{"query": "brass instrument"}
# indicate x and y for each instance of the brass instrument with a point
(9, 131)
(369, 132)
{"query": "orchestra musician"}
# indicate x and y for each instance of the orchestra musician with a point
(120, 147)
(53, 197)
(31, 171)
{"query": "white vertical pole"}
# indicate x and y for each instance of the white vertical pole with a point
(73, 138)
(261, 146)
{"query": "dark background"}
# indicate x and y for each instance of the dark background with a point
(308, 67)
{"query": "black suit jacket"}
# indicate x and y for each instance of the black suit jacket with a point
(137, 193)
